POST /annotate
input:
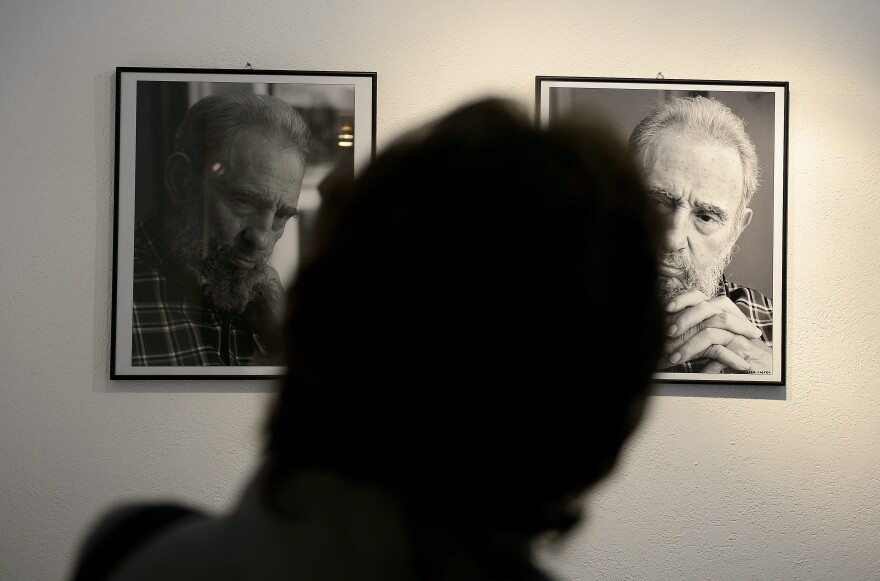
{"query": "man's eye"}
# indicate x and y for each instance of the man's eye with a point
(708, 218)
(241, 200)
(285, 214)
(664, 202)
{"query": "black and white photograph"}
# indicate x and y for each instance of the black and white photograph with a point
(714, 159)
(219, 175)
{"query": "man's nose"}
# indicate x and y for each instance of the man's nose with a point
(259, 231)
(676, 235)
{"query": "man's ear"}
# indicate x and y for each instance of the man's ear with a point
(178, 178)
(746, 219)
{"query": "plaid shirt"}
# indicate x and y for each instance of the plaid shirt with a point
(757, 308)
(172, 323)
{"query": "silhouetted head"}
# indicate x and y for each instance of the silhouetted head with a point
(478, 322)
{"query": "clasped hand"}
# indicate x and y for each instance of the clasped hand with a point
(714, 329)
(264, 317)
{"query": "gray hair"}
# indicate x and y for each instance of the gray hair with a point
(707, 118)
(214, 121)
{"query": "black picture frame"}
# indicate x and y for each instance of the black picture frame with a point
(759, 261)
(340, 109)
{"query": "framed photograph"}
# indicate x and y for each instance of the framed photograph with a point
(714, 157)
(219, 174)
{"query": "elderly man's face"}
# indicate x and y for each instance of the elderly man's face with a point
(698, 185)
(250, 191)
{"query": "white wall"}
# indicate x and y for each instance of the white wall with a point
(720, 484)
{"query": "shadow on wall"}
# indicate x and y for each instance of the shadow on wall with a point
(738, 391)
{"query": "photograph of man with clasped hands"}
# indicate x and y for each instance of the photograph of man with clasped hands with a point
(227, 176)
(713, 159)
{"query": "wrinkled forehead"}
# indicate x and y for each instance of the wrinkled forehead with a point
(250, 148)
(681, 137)
(684, 162)
(259, 166)
(682, 154)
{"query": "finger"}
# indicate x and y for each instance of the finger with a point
(734, 324)
(719, 312)
(728, 306)
(691, 317)
(700, 342)
(724, 303)
(714, 367)
(755, 351)
(274, 277)
(685, 300)
(710, 343)
(730, 359)
(671, 344)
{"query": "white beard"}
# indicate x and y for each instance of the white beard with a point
(706, 281)
(230, 289)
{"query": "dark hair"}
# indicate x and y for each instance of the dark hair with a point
(214, 120)
(478, 322)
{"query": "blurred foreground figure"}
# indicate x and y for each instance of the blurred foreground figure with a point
(457, 377)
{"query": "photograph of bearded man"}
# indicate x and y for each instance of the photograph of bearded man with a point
(702, 170)
(204, 290)
(713, 155)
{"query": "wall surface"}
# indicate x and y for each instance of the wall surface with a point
(719, 483)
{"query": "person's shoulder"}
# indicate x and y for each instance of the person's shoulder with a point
(146, 235)
(157, 278)
(755, 305)
(148, 265)
(743, 294)
(122, 531)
